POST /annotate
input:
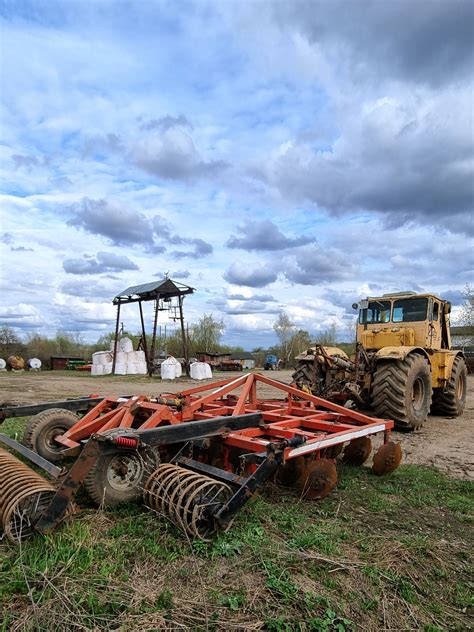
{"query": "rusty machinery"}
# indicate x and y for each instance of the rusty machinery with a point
(196, 457)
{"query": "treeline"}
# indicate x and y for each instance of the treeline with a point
(205, 335)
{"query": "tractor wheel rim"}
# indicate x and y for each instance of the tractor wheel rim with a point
(124, 472)
(418, 393)
(50, 436)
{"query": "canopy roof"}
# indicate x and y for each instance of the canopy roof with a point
(166, 288)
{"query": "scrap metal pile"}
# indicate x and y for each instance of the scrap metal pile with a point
(196, 457)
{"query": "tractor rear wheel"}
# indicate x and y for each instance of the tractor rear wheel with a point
(41, 430)
(303, 375)
(401, 390)
(120, 477)
(451, 401)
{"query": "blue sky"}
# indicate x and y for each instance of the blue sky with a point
(273, 155)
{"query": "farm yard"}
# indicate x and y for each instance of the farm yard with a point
(376, 554)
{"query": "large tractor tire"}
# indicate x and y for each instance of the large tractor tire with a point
(42, 428)
(303, 374)
(120, 477)
(401, 390)
(451, 401)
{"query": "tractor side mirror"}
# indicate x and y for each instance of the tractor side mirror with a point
(355, 305)
(447, 307)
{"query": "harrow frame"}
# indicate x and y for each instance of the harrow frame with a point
(264, 433)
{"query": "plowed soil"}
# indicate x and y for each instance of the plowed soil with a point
(443, 442)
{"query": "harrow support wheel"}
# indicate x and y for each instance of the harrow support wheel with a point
(119, 477)
(387, 458)
(357, 451)
(42, 428)
(319, 479)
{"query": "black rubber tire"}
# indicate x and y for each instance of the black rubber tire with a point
(451, 401)
(402, 391)
(302, 374)
(42, 428)
(107, 487)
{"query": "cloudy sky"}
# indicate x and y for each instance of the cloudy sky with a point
(272, 154)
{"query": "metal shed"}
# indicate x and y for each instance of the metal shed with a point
(168, 296)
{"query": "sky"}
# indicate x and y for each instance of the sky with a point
(294, 156)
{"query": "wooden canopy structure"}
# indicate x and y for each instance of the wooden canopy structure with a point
(168, 296)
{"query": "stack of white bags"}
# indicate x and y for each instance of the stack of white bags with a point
(200, 371)
(128, 361)
(170, 369)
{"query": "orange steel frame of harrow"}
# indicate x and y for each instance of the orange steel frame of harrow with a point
(322, 423)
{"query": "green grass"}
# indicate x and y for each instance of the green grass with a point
(391, 552)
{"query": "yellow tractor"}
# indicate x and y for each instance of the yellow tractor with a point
(403, 364)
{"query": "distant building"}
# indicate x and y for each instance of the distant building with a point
(462, 336)
(245, 358)
(219, 361)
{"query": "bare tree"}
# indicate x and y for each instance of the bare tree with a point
(8, 336)
(285, 331)
(328, 336)
(206, 333)
(467, 310)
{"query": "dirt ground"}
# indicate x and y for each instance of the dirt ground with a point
(443, 442)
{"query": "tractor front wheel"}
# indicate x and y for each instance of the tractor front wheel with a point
(451, 401)
(401, 390)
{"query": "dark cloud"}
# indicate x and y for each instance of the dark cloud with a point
(264, 235)
(180, 274)
(123, 227)
(161, 227)
(312, 266)
(25, 162)
(249, 307)
(405, 161)
(91, 291)
(261, 298)
(171, 154)
(201, 249)
(7, 238)
(21, 249)
(103, 145)
(453, 296)
(102, 262)
(243, 274)
(166, 122)
(246, 305)
(421, 42)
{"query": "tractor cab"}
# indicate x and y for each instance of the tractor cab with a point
(403, 319)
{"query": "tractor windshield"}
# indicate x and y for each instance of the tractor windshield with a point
(410, 310)
(376, 312)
